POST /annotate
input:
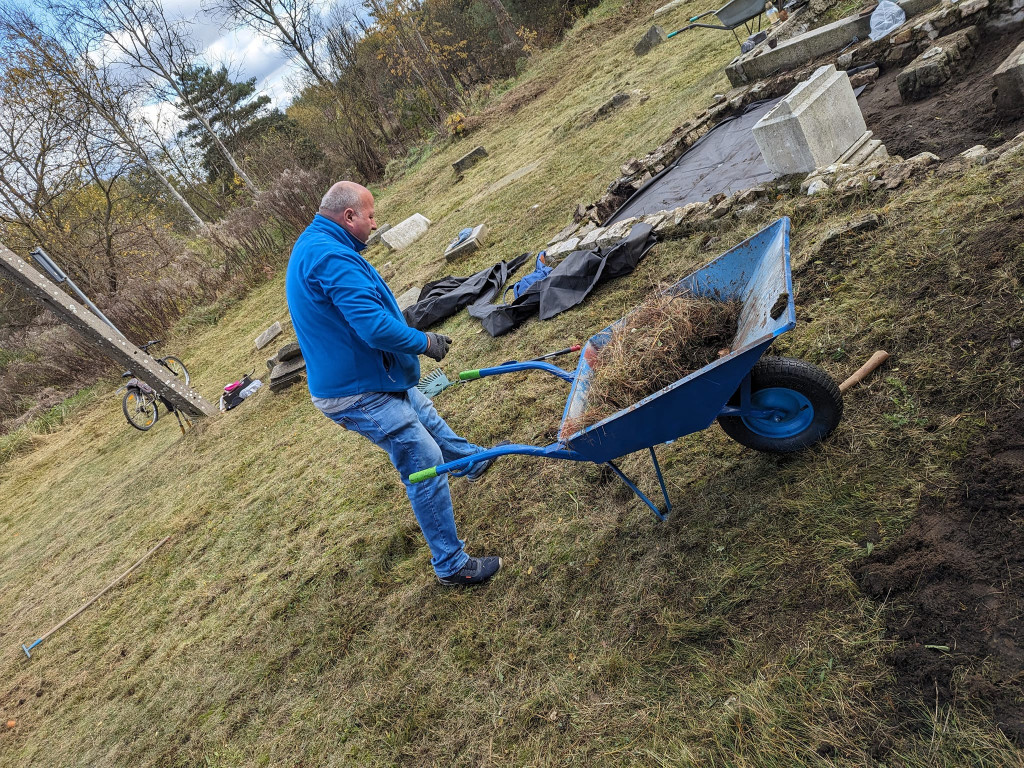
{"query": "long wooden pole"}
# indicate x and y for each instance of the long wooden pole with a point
(102, 592)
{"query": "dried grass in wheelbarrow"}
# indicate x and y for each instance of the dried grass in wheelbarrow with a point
(664, 340)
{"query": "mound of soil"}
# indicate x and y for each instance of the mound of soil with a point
(958, 116)
(956, 578)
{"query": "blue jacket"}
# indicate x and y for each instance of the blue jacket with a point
(353, 337)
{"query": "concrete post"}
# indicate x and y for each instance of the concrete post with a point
(106, 340)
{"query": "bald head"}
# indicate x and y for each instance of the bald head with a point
(350, 206)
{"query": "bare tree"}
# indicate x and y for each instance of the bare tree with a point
(506, 28)
(147, 40)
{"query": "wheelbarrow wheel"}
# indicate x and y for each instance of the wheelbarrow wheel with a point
(805, 406)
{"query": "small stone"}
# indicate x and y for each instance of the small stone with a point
(655, 219)
(970, 7)
(654, 37)
(288, 352)
(566, 246)
(844, 61)
(591, 239)
(923, 160)
(723, 207)
(387, 270)
(974, 152)
(816, 188)
(565, 234)
(716, 199)
(866, 77)
(901, 37)
(632, 168)
(268, 335)
(863, 224)
(614, 102)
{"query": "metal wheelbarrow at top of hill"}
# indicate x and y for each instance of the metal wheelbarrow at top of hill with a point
(730, 16)
(777, 404)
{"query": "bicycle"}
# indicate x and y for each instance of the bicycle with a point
(140, 400)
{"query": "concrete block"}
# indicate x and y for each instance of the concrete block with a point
(803, 49)
(654, 37)
(476, 240)
(409, 298)
(268, 335)
(467, 161)
(947, 56)
(1009, 80)
(813, 126)
(406, 233)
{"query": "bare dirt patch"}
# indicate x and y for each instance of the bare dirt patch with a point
(955, 576)
(958, 116)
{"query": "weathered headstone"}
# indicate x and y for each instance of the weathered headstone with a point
(468, 160)
(268, 335)
(476, 240)
(374, 237)
(409, 298)
(105, 340)
(406, 233)
(812, 126)
(1009, 80)
(654, 37)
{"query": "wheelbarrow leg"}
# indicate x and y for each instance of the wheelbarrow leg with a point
(632, 486)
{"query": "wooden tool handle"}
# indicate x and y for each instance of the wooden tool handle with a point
(865, 370)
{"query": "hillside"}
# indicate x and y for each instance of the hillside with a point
(292, 619)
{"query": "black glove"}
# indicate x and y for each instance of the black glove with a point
(437, 346)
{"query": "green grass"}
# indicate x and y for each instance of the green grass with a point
(292, 619)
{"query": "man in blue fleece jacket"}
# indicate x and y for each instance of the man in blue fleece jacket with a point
(362, 368)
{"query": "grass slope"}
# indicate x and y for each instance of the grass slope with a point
(292, 618)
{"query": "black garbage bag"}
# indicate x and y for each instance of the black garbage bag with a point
(568, 284)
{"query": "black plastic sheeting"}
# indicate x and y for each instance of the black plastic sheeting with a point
(568, 284)
(443, 298)
(725, 159)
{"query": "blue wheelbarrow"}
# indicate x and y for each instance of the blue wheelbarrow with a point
(777, 404)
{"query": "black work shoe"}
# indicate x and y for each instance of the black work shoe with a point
(477, 570)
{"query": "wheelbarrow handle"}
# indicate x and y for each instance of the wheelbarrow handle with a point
(551, 451)
(481, 373)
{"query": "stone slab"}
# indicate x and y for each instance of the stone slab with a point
(803, 49)
(812, 126)
(476, 240)
(406, 233)
(566, 246)
(287, 368)
(374, 237)
(409, 298)
(944, 58)
(268, 335)
(654, 37)
(468, 160)
(1009, 80)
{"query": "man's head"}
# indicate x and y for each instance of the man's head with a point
(350, 206)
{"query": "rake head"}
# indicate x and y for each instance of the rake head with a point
(434, 383)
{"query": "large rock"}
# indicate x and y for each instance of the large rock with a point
(654, 37)
(406, 233)
(946, 57)
(468, 160)
(814, 125)
(1009, 80)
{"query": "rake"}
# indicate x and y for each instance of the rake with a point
(434, 383)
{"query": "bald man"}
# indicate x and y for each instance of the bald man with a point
(362, 368)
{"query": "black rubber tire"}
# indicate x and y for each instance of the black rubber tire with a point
(803, 377)
(132, 412)
(175, 366)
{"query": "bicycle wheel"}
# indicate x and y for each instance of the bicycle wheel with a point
(140, 409)
(175, 366)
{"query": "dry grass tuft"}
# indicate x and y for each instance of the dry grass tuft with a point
(667, 338)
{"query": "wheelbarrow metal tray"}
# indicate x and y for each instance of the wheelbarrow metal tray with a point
(737, 12)
(757, 273)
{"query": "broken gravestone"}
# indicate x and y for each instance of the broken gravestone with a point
(947, 56)
(268, 335)
(1009, 80)
(654, 37)
(406, 233)
(374, 238)
(476, 240)
(409, 298)
(467, 161)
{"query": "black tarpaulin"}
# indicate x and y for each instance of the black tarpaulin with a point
(724, 160)
(568, 284)
(443, 298)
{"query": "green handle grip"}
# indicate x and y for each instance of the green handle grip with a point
(423, 474)
(469, 375)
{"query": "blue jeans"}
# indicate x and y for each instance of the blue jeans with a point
(415, 437)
